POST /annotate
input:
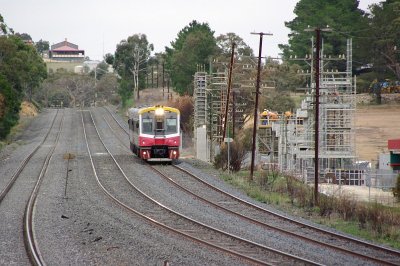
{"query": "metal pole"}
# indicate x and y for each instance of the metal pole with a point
(229, 90)
(253, 149)
(316, 135)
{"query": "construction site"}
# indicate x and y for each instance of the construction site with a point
(286, 141)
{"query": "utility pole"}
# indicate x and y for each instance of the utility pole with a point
(229, 91)
(233, 113)
(157, 75)
(253, 149)
(316, 162)
(163, 78)
(316, 128)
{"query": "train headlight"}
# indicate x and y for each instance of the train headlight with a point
(174, 152)
(159, 112)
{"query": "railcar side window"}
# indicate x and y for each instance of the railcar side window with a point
(147, 126)
(171, 125)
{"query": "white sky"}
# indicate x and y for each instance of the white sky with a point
(97, 26)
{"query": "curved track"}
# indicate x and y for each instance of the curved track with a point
(158, 214)
(29, 241)
(29, 236)
(196, 186)
(18, 171)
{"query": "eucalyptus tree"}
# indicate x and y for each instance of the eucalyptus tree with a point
(224, 43)
(130, 60)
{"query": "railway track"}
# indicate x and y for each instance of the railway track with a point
(212, 195)
(204, 191)
(31, 246)
(160, 215)
(18, 171)
(28, 224)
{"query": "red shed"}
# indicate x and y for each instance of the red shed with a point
(394, 149)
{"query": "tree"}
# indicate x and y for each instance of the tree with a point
(100, 70)
(24, 36)
(109, 58)
(343, 16)
(21, 65)
(130, 60)
(194, 46)
(224, 43)
(284, 76)
(107, 87)
(9, 107)
(21, 71)
(383, 43)
(42, 46)
(4, 29)
(125, 91)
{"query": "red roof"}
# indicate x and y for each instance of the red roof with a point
(65, 48)
(394, 144)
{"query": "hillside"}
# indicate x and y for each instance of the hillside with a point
(375, 124)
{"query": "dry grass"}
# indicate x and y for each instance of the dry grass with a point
(368, 220)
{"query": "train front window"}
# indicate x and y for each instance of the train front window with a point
(159, 126)
(171, 126)
(147, 126)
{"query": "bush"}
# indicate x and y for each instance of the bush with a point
(236, 154)
(10, 102)
(185, 105)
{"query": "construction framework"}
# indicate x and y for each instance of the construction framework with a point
(289, 140)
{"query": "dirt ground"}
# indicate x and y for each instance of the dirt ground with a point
(28, 109)
(375, 124)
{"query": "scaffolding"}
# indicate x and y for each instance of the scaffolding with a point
(200, 99)
(291, 139)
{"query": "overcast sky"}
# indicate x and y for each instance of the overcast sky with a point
(97, 26)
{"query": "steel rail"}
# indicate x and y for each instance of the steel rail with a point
(18, 171)
(342, 237)
(182, 232)
(31, 245)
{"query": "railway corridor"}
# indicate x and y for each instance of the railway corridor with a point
(75, 222)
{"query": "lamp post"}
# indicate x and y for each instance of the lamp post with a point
(316, 128)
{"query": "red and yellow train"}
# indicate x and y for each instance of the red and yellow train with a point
(154, 133)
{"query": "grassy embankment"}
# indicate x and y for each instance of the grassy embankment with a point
(370, 221)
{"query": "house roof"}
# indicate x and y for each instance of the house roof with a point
(394, 144)
(66, 48)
